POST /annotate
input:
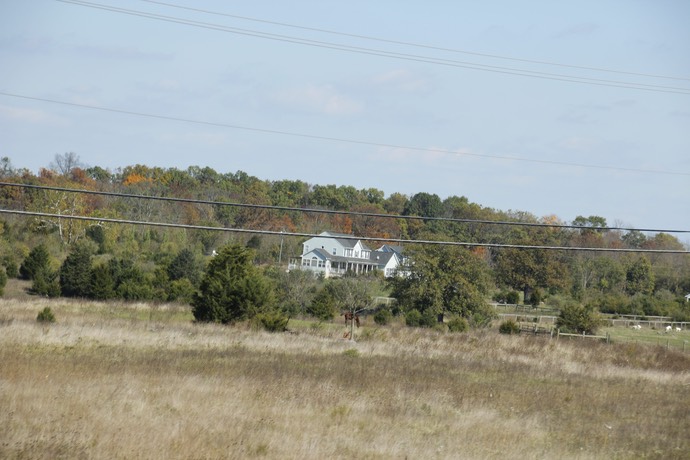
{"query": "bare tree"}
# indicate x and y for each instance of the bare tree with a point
(6, 168)
(65, 163)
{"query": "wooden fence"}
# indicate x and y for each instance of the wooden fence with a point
(583, 336)
(520, 318)
(660, 340)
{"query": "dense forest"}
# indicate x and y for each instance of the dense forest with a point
(104, 260)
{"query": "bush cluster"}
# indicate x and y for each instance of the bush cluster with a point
(46, 316)
(383, 316)
(509, 327)
(458, 324)
(414, 318)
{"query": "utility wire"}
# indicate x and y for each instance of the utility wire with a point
(390, 54)
(340, 139)
(327, 211)
(349, 237)
(417, 45)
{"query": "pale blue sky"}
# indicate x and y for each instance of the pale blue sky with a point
(470, 120)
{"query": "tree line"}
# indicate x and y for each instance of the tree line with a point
(114, 261)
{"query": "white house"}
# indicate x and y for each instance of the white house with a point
(334, 254)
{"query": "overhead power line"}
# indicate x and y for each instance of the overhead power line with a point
(311, 235)
(340, 139)
(329, 211)
(416, 45)
(384, 53)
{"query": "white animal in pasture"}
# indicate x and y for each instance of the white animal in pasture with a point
(668, 328)
(678, 329)
(637, 327)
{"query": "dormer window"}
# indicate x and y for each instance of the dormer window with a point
(334, 251)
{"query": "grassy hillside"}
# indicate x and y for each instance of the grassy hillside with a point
(141, 381)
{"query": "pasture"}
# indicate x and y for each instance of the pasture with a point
(141, 381)
(679, 340)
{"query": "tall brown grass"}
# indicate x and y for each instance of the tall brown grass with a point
(140, 381)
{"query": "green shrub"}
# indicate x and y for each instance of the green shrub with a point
(458, 324)
(578, 319)
(413, 318)
(322, 306)
(482, 317)
(46, 283)
(271, 322)
(383, 317)
(536, 298)
(135, 290)
(509, 327)
(513, 297)
(351, 353)
(509, 297)
(181, 290)
(11, 267)
(46, 316)
(429, 319)
(3, 281)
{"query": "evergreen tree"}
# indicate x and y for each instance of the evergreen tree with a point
(46, 283)
(232, 288)
(38, 260)
(75, 272)
(97, 234)
(185, 265)
(101, 283)
(323, 306)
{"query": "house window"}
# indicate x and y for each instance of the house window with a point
(334, 251)
(322, 264)
(305, 262)
(356, 253)
(306, 248)
(348, 253)
(313, 262)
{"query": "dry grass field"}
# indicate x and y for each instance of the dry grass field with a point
(135, 381)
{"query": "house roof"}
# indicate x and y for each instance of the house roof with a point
(381, 257)
(320, 253)
(349, 242)
(391, 248)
